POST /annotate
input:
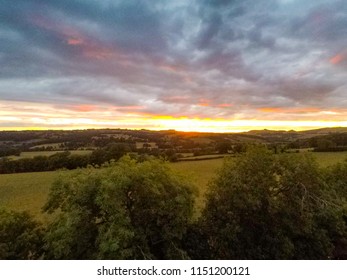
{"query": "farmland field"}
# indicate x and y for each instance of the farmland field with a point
(28, 191)
(25, 191)
(199, 173)
(330, 158)
(48, 153)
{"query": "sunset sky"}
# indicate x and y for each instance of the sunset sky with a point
(198, 65)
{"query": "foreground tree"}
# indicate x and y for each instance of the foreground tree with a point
(336, 177)
(20, 236)
(127, 210)
(267, 207)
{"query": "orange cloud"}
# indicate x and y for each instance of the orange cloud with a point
(84, 108)
(224, 105)
(74, 41)
(204, 103)
(289, 110)
(337, 59)
(170, 68)
(74, 37)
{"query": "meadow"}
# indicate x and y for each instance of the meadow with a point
(47, 153)
(29, 191)
(26, 191)
(329, 158)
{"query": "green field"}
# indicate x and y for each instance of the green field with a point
(330, 158)
(28, 191)
(199, 173)
(48, 153)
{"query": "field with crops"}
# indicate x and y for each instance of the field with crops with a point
(29, 191)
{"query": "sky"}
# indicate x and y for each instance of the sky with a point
(198, 65)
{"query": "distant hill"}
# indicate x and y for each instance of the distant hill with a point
(292, 135)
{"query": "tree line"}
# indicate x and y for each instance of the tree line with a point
(261, 206)
(65, 159)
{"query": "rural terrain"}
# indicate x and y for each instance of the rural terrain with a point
(37, 166)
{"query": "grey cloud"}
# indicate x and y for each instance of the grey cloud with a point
(243, 53)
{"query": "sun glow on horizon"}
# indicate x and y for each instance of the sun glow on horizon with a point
(179, 124)
(31, 116)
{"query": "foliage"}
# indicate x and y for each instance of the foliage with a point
(336, 177)
(269, 207)
(20, 236)
(127, 210)
(260, 206)
(62, 160)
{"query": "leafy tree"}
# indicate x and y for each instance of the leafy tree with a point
(127, 210)
(336, 177)
(223, 147)
(20, 236)
(267, 207)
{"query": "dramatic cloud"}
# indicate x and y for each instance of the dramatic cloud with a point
(131, 63)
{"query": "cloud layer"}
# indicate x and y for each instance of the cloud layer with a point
(231, 60)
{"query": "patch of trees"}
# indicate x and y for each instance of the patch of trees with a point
(334, 142)
(21, 238)
(267, 207)
(64, 160)
(6, 151)
(19, 136)
(261, 206)
(127, 210)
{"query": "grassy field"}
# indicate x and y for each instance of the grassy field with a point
(330, 158)
(199, 173)
(28, 191)
(48, 153)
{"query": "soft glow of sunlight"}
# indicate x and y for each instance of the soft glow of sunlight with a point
(24, 115)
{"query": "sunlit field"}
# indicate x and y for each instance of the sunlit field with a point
(47, 153)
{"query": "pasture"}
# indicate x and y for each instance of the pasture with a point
(26, 191)
(29, 191)
(47, 153)
(329, 158)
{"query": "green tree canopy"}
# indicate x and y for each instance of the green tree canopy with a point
(264, 206)
(20, 236)
(127, 210)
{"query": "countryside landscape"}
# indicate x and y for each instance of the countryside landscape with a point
(173, 130)
(41, 170)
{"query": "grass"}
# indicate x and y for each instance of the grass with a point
(203, 157)
(26, 191)
(199, 173)
(48, 153)
(329, 158)
(29, 191)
